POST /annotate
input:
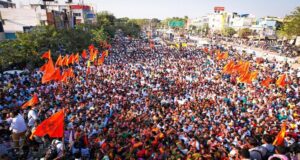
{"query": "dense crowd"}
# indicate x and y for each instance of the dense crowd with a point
(160, 103)
(283, 48)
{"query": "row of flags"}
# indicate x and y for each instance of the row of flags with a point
(242, 69)
(54, 125)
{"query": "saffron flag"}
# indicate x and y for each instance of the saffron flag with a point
(46, 55)
(84, 55)
(281, 81)
(76, 59)
(65, 60)
(228, 67)
(266, 82)
(279, 140)
(58, 61)
(221, 56)
(53, 126)
(42, 69)
(91, 48)
(56, 75)
(34, 100)
(49, 70)
(71, 59)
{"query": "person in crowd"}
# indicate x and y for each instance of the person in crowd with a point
(158, 103)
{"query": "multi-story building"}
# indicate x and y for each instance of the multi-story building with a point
(17, 20)
(266, 27)
(83, 14)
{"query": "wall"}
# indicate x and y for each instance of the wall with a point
(16, 19)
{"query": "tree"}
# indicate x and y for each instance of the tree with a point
(228, 31)
(244, 33)
(291, 24)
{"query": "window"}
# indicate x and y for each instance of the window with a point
(77, 14)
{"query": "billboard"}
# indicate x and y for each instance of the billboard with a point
(218, 9)
(176, 23)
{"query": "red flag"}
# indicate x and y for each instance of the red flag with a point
(58, 61)
(84, 55)
(279, 140)
(53, 126)
(281, 81)
(266, 82)
(34, 100)
(46, 55)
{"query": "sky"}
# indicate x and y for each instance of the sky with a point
(192, 8)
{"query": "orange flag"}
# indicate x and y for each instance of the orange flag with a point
(64, 77)
(49, 70)
(71, 59)
(244, 68)
(91, 48)
(53, 126)
(42, 69)
(58, 61)
(279, 140)
(34, 100)
(65, 60)
(71, 73)
(76, 59)
(46, 55)
(266, 82)
(84, 55)
(281, 81)
(221, 56)
(56, 75)
(93, 55)
(228, 67)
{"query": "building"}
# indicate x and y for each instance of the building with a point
(7, 4)
(266, 27)
(17, 20)
(83, 14)
(240, 21)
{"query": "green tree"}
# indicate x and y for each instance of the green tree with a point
(244, 33)
(291, 24)
(228, 31)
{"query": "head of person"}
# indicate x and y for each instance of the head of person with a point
(244, 154)
(267, 139)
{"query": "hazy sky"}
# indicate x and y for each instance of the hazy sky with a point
(192, 8)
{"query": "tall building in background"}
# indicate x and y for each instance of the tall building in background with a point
(48, 12)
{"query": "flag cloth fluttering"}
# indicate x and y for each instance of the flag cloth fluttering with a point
(46, 55)
(48, 72)
(281, 81)
(279, 140)
(58, 61)
(34, 100)
(266, 82)
(84, 55)
(228, 67)
(65, 60)
(53, 126)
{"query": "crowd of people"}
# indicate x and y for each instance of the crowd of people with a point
(283, 48)
(160, 103)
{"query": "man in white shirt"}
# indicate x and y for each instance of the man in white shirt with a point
(18, 128)
(32, 117)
